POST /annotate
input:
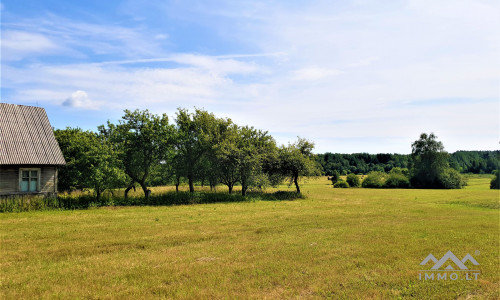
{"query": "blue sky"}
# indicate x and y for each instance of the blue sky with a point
(352, 76)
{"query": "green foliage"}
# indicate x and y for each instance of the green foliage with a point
(363, 163)
(397, 180)
(430, 167)
(142, 140)
(402, 171)
(335, 176)
(21, 203)
(374, 179)
(341, 184)
(241, 155)
(475, 161)
(353, 180)
(495, 181)
(85, 201)
(91, 161)
(360, 163)
(451, 179)
(196, 135)
(297, 160)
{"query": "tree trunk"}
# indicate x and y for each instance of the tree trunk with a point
(190, 176)
(126, 191)
(131, 186)
(191, 185)
(296, 181)
(230, 186)
(97, 194)
(145, 189)
(177, 182)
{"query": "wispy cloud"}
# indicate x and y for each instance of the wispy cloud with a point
(314, 73)
(76, 38)
(302, 66)
(16, 45)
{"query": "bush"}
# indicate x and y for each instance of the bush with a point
(341, 184)
(397, 170)
(397, 180)
(335, 176)
(374, 179)
(353, 180)
(495, 181)
(451, 179)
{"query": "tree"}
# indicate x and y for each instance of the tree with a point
(297, 160)
(227, 156)
(495, 181)
(353, 180)
(193, 140)
(91, 161)
(429, 165)
(252, 148)
(335, 176)
(143, 140)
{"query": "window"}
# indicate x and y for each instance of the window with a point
(29, 180)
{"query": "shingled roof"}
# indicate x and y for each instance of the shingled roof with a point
(26, 137)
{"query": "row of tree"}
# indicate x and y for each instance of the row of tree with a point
(477, 162)
(144, 149)
(429, 167)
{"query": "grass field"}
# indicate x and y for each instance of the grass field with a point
(336, 243)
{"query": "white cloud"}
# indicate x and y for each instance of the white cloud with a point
(76, 39)
(80, 99)
(17, 44)
(390, 55)
(314, 73)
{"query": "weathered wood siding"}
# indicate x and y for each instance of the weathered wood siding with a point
(48, 181)
(9, 179)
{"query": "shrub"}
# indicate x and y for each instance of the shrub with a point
(397, 170)
(397, 180)
(341, 184)
(353, 180)
(374, 179)
(495, 181)
(335, 176)
(451, 179)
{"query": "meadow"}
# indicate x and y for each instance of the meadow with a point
(333, 244)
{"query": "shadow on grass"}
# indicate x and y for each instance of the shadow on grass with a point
(63, 202)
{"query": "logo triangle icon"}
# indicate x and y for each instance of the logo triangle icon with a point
(446, 257)
(429, 257)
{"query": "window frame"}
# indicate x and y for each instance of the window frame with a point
(39, 176)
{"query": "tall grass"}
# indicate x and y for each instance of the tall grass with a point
(85, 201)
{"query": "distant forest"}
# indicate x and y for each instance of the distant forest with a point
(477, 162)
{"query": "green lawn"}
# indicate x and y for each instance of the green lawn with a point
(336, 243)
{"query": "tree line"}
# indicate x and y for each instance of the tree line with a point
(477, 162)
(428, 167)
(145, 149)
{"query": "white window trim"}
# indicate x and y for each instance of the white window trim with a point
(39, 173)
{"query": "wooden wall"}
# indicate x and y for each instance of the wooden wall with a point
(9, 179)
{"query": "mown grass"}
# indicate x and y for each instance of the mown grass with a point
(334, 244)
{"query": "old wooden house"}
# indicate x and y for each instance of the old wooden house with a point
(29, 152)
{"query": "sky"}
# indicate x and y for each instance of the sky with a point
(350, 75)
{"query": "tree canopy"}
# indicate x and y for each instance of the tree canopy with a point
(429, 165)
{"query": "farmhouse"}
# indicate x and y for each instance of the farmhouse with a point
(29, 152)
